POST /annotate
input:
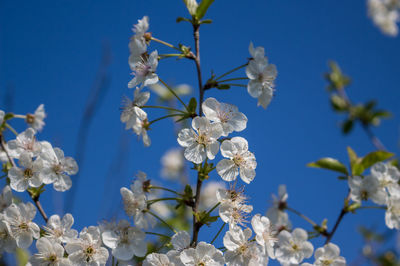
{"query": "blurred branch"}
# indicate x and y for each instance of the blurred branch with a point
(94, 101)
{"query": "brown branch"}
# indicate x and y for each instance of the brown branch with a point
(196, 224)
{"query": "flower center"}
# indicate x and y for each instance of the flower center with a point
(30, 118)
(364, 195)
(243, 249)
(238, 160)
(52, 258)
(23, 226)
(201, 264)
(28, 173)
(326, 262)
(58, 169)
(202, 139)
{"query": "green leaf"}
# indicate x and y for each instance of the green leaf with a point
(330, 164)
(374, 157)
(223, 87)
(206, 21)
(338, 103)
(192, 105)
(355, 162)
(8, 116)
(202, 8)
(347, 126)
(180, 19)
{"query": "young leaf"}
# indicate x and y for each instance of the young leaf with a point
(330, 164)
(374, 157)
(202, 8)
(223, 87)
(356, 167)
(192, 105)
(347, 126)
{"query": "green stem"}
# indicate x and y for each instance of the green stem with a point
(173, 92)
(236, 85)
(157, 234)
(165, 43)
(169, 55)
(166, 189)
(302, 216)
(11, 129)
(232, 79)
(213, 208)
(161, 220)
(19, 116)
(163, 117)
(163, 107)
(161, 199)
(231, 71)
(219, 231)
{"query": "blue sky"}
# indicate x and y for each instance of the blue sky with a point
(50, 52)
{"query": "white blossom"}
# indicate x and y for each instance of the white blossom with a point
(180, 241)
(367, 187)
(388, 177)
(262, 76)
(202, 144)
(227, 115)
(134, 204)
(7, 241)
(276, 214)
(329, 255)
(240, 250)
(130, 109)
(19, 217)
(87, 249)
(60, 229)
(137, 44)
(392, 216)
(125, 241)
(25, 141)
(155, 259)
(57, 168)
(204, 254)
(144, 70)
(5, 198)
(141, 125)
(257, 53)
(172, 163)
(36, 120)
(27, 175)
(385, 15)
(293, 247)
(266, 235)
(240, 161)
(50, 253)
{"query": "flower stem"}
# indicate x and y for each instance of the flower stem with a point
(173, 92)
(163, 107)
(11, 129)
(236, 85)
(161, 220)
(231, 71)
(161, 199)
(302, 216)
(213, 208)
(169, 55)
(219, 231)
(232, 79)
(166, 189)
(19, 116)
(163, 117)
(165, 43)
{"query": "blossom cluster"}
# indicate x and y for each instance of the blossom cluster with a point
(385, 14)
(382, 187)
(250, 239)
